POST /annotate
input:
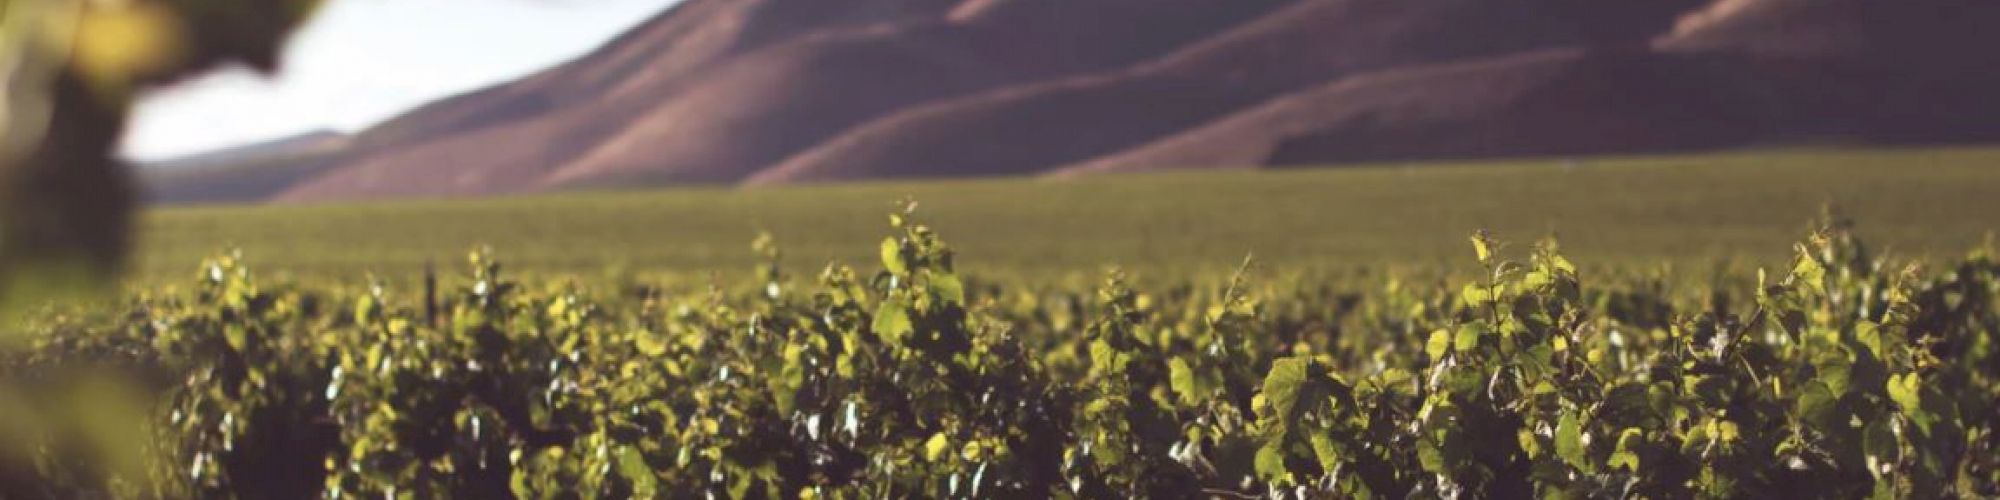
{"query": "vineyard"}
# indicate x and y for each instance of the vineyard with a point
(1843, 375)
(1614, 214)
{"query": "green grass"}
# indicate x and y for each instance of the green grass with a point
(1690, 210)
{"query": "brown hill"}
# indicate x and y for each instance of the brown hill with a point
(776, 91)
(690, 37)
(1031, 127)
(768, 106)
(1895, 72)
(243, 173)
(1737, 73)
(723, 119)
(1556, 102)
(507, 137)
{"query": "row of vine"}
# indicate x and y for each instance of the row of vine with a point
(1843, 377)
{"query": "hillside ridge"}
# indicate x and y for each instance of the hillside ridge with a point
(787, 91)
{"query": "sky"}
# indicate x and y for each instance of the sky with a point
(359, 62)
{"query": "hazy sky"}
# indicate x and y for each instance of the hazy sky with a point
(362, 61)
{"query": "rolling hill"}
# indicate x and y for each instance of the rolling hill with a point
(244, 173)
(790, 91)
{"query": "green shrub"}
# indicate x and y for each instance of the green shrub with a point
(1843, 377)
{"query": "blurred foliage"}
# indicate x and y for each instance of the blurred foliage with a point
(68, 72)
(1843, 376)
(71, 69)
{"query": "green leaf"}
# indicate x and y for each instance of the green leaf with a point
(1696, 439)
(632, 465)
(236, 336)
(1903, 390)
(1394, 380)
(1907, 391)
(1816, 403)
(892, 321)
(1325, 450)
(1810, 273)
(1107, 359)
(1569, 442)
(892, 257)
(1282, 384)
(1834, 371)
(1271, 461)
(1627, 454)
(1181, 379)
(1430, 456)
(937, 448)
(649, 344)
(1561, 263)
(948, 288)
(1467, 339)
(784, 387)
(1869, 335)
(1543, 388)
(365, 310)
(518, 483)
(1476, 294)
(1439, 345)
(1727, 432)
(1537, 280)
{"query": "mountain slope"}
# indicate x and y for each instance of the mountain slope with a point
(782, 91)
(1556, 102)
(305, 143)
(505, 138)
(723, 119)
(1023, 129)
(771, 105)
(242, 173)
(1737, 73)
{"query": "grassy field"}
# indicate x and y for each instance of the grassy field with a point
(1743, 208)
